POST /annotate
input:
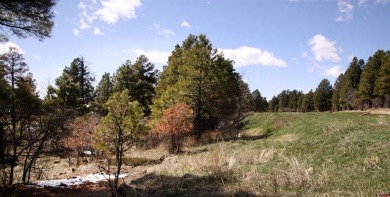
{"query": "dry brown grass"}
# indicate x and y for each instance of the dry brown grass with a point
(287, 138)
(296, 174)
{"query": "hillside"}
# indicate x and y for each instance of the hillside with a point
(277, 154)
(310, 154)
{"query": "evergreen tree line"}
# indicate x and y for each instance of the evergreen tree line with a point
(362, 86)
(196, 75)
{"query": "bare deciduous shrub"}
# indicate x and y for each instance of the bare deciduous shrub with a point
(3, 175)
(40, 168)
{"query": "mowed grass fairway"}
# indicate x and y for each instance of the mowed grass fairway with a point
(288, 154)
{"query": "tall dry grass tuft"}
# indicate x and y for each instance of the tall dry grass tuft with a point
(252, 156)
(267, 179)
(256, 182)
(296, 175)
(322, 181)
(336, 126)
(219, 165)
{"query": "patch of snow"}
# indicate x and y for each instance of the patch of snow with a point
(62, 183)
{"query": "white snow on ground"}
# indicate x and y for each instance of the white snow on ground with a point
(75, 180)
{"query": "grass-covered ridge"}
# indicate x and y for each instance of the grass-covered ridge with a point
(310, 154)
(339, 153)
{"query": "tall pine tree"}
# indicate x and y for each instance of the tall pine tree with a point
(323, 96)
(81, 75)
(19, 107)
(103, 92)
(365, 94)
(139, 79)
(349, 85)
(336, 93)
(201, 77)
(382, 84)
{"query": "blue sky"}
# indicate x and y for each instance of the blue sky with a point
(276, 45)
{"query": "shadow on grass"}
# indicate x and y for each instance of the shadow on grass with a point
(187, 185)
(256, 137)
(139, 161)
(88, 190)
(230, 136)
(194, 152)
(240, 125)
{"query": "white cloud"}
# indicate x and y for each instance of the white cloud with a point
(154, 56)
(113, 10)
(317, 65)
(304, 54)
(323, 49)
(97, 32)
(185, 24)
(108, 11)
(4, 47)
(87, 15)
(156, 26)
(163, 31)
(362, 2)
(245, 56)
(383, 1)
(345, 11)
(333, 71)
(82, 5)
(36, 57)
(310, 69)
(83, 24)
(76, 32)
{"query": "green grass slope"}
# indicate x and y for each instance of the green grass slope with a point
(321, 153)
(282, 154)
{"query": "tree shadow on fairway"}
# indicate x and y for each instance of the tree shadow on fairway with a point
(187, 185)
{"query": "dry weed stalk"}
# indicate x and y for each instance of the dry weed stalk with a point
(220, 165)
(296, 175)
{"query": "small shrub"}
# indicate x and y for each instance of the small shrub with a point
(175, 125)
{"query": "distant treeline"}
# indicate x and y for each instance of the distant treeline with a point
(364, 85)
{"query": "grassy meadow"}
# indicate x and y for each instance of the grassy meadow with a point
(283, 154)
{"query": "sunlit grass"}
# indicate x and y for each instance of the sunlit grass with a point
(309, 154)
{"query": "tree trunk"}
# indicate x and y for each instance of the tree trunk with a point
(119, 166)
(25, 168)
(12, 166)
(2, 142)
